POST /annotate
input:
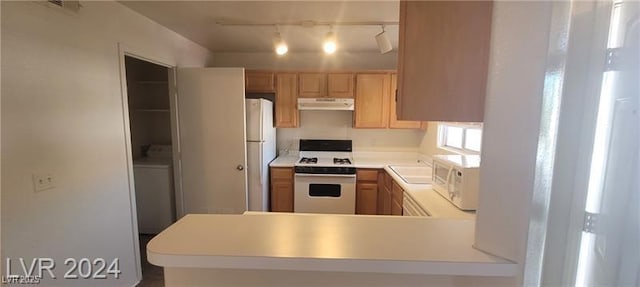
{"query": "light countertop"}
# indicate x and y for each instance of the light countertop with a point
(427, 198)
(362, 159)
(284, 161)
(325, 242)
(432, 202)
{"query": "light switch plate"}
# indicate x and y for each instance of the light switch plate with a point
(43, 181)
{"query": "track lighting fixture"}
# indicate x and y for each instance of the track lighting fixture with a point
(329, 45)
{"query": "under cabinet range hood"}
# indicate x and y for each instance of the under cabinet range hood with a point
(325, 104)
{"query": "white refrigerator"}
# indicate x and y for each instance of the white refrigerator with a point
(261, 150)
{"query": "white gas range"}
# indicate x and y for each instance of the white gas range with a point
(325, 177)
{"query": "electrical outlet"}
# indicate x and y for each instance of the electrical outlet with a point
(43, 182)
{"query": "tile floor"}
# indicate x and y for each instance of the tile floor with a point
(152, 276)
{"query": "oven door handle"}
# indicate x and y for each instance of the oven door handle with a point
(324, 175)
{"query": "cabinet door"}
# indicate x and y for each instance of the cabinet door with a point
(312, 85)
(380, 203)
(366, 198)
(372, 101)
(341, 85)
(396, 208)
(396, 199)
(394, 123)
(259, 82)
(286, 106)
(386, 204)
(397, 192)
(282, 196)
(443, 57)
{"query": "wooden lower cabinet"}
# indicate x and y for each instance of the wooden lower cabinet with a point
(380, 203)
(389, 195)
(396, 199)
(376, 192)
(386, 202)
(366, 198)
(396, 208)
(367, 191)
(384, 193)
(281, 192)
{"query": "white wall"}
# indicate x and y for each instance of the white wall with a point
(62, 114)
(339, 125)
(308, 61)
(519, 48)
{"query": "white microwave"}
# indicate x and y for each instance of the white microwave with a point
(456, 178)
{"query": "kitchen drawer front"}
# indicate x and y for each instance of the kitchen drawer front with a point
(367, 174)
(282, 173)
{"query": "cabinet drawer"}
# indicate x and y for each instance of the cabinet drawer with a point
(367, 174)
(281, 173)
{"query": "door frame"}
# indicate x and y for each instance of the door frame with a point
(125, 50)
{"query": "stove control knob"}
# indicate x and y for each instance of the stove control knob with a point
(240, 167)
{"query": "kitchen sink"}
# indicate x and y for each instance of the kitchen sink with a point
(413, 174)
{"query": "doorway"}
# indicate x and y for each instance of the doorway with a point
(150, 128)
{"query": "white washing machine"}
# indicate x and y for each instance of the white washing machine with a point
(155, 201)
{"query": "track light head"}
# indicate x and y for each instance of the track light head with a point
(279, 44)
(382, 39)
(329, 46)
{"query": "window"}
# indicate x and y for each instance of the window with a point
(463, 138)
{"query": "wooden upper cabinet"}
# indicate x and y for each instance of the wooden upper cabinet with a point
(286, 105)
(312, 85)
(443, 58)
(341, 85)
(259, 82)
(372, 101)
(394, 123)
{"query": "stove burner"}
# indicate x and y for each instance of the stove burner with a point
(309, 160)
(341, 160)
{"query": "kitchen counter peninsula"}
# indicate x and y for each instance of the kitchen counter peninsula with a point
(202, 249)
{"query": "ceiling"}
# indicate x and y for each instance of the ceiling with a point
(196, 20)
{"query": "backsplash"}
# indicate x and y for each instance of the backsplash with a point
(339, 125)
